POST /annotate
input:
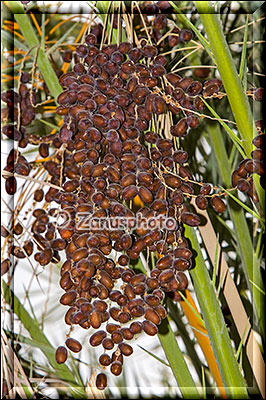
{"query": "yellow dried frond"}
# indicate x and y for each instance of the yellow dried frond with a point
(203, 340)
(84, 27)
(19, 61)
(11, 78)
(13, 52)
(14, 24)
(65, 67)
(7, 28)
(49, 19)
(59, 124)
(61, 23)
(36, 23)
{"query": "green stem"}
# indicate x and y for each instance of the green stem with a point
(241, 229)
(43, 343)
(176, 361)
(42, 60)
(236, 95)
(220, 341)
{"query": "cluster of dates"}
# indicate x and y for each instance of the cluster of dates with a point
(18, 114)
(111, 159)
(242, 176)
(109, 165)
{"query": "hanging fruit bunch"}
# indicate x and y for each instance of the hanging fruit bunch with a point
(110, 164)
(111, 158)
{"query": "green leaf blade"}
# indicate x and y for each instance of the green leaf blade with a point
(229, 369)
(176, 361)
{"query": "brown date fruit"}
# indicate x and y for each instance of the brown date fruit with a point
(259, 141)
(105, 360)
(67, 56)
(107, 344)
(117, 336)
(127, 334)
(125, 349)
(11, 186)
(44, 150)
(201, 202)
(181, 264)
(5, 266)
(180, 129)
(259, 94)
(68, 298)
(116, 368)
(243, 185)
(205, 189)
(136, 327)
(61, 355)
(153, 316)
(217, 204)
(101, 381)
(97, 338)
(73, 345)
(95, 319)
(150, 328)
(190, 219)
(185, 35)
(38, 195)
